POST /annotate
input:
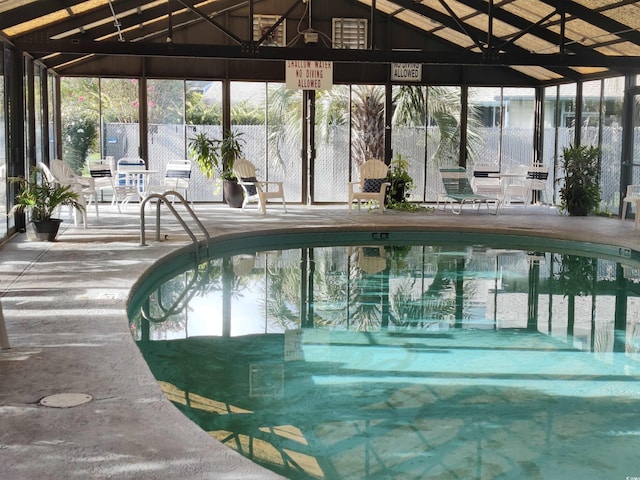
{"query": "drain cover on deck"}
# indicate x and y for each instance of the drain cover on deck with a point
(65, 400)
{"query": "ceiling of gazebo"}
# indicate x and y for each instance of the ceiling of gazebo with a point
(528, 41)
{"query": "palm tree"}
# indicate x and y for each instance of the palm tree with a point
(440, 105)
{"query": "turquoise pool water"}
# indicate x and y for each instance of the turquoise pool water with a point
(394, 357)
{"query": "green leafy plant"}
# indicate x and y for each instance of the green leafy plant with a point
(216, 157)
(580, 193)
(231, 148)
(39, 198)
(401, 184)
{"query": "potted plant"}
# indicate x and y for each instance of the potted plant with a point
(39, 198)
(216, 158)
(580, 193)
(401, 184)
(230, 150)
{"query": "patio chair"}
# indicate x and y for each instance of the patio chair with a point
(538, 176)
(255, 190)
(128, 186)
(84, 186)
(372, 184)
(483, 183)
(100, 171)
(458, 191)
(46, 171)
(177, 177)
(517, 185)
(632, 196)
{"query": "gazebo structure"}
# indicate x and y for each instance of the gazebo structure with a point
(318, 87)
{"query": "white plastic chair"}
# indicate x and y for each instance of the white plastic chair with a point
(517, 187)
(484, 184)
(538, 176)
(84, 186)
(177, 177)
(46, 171)
(101, 172)
(632, 196)
(254, 189)
(372, 185)
(127, 186)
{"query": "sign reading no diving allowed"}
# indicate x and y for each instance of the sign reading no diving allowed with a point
(406, 72)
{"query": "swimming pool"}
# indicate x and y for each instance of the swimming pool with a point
(402, 355)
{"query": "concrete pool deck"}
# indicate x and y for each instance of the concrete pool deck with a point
(64, 305)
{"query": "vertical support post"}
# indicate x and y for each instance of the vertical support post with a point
(464, 115)
(372, 29)
(143, 149)
(388, 110)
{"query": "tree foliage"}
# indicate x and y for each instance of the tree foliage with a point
(80, 119)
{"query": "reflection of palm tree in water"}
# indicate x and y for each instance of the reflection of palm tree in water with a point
(361, 299)
(370, 291)
(283, 297)
(436, 304)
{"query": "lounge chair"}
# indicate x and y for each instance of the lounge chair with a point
(458, 191)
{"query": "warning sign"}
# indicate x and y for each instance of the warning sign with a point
(309, 74)
(406, 72)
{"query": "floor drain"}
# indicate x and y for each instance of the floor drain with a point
(65, 400)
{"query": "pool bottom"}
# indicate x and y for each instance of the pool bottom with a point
(461, 403)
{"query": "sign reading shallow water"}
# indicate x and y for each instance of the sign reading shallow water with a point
(309, 75)
(406, 72)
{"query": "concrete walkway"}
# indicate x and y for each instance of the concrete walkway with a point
(65, 309)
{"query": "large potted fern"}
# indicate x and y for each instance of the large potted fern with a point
(580, 192)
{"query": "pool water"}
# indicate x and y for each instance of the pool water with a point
(402, 361)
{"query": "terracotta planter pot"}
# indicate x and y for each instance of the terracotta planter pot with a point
(44, 231)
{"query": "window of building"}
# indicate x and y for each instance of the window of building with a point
(350, 33)
(263, 23)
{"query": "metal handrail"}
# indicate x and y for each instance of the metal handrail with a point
(162, 198)
(199, 279)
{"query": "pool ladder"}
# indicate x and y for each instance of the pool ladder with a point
(162, 198)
